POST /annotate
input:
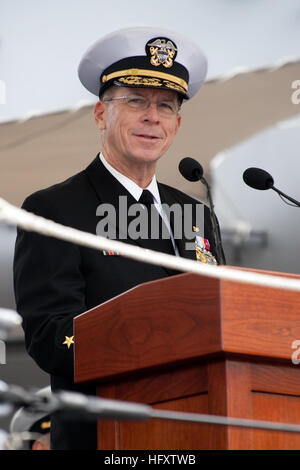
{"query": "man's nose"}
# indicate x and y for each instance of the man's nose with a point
(151, 113)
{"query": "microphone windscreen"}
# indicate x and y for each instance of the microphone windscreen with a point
(258, 179)
(190, 169)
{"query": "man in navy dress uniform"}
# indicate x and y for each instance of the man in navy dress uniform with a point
(141, 76)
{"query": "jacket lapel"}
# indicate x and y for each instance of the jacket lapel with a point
(108, 190)
(182, 242)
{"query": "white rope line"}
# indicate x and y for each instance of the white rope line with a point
(14, 216)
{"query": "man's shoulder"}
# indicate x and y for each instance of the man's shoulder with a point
(65, 193)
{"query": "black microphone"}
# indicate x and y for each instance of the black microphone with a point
(192, 170)
(260, 179)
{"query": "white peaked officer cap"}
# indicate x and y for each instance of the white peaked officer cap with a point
(26, 420)
(144, 57)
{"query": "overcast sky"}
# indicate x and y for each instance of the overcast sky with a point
(42, 41)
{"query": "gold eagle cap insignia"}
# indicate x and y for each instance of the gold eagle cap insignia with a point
(162, 52)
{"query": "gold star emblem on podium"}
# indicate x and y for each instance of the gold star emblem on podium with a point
(68, 341)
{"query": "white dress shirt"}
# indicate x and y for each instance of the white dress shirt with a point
(136, 192)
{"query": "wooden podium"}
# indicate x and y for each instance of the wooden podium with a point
(195, 344)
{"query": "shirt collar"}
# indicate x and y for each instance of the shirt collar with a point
(131, 186)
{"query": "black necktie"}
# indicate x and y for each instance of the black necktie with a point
(156, 227)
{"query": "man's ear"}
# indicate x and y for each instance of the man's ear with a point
(178, 123)
(100, 115)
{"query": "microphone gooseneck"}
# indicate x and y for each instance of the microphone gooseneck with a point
(192, 170)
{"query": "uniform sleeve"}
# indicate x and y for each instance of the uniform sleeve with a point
(49, 291)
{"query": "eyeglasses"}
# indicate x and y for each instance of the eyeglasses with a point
(164, 107)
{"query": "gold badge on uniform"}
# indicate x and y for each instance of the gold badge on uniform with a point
(68, 341)
(162, 51)
(202, 247)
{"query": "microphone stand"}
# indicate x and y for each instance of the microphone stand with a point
(215, 225)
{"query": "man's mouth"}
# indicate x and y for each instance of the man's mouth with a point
(146, 136)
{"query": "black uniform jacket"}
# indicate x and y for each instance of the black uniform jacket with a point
(56, 280)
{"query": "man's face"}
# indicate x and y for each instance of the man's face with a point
(136, 135)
